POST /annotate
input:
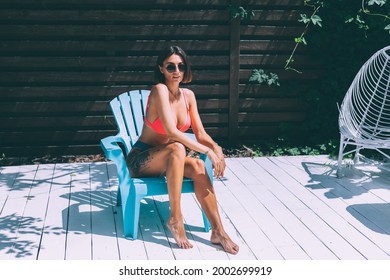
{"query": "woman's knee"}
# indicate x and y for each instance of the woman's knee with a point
(177, 149)
(197, 167)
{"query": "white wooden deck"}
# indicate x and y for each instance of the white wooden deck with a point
(274, 208)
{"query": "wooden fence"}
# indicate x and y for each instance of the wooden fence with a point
(62, 61)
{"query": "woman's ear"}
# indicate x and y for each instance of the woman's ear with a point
(161, 69)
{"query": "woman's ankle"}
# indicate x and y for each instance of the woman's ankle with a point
(173, 219)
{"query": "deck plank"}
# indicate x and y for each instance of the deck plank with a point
(104, 235)
(32, 221)
(348, 225)
(128, 250)
(7, 178)
(200, 239)
(11, 218)
(287, 205)
(250, 232)
(162, 206)
(79, 230)
(329, 223)
(53, 239)
(152, 232)
(250, 195)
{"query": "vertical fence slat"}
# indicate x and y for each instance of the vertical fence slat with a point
(234, 76)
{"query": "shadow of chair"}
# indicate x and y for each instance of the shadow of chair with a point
(375, 215)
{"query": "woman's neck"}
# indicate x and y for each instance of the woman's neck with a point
(173, 89)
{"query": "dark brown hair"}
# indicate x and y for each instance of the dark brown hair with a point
(159, 77)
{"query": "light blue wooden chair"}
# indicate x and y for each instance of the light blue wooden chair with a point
(129, 111)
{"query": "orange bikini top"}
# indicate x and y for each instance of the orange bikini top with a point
(159, 127)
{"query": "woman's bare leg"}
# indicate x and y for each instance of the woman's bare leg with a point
(204, 191)
(174, 174)
(168, 160)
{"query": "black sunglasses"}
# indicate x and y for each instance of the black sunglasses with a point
(172, 68)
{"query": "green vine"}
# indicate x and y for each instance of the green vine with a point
(358, 18)
(315, 20)
(258, 75)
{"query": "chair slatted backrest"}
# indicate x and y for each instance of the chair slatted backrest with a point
(129, 110)
(365, 111)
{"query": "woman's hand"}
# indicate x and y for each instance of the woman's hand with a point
(218, 151)
(219, 164)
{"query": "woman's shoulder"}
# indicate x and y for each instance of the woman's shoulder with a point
(189, 93)
(159, 87)
(159, 90)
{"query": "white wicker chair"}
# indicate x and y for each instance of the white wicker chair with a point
(364, 119)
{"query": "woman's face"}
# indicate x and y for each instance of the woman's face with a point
(173, 68)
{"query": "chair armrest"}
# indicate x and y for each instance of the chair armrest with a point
(114, 153)
(111, 148)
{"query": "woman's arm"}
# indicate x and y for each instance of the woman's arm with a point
(200, 133)
(197, 126)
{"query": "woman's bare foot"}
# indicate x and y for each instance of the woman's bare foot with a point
(176, 227)
(224, 240)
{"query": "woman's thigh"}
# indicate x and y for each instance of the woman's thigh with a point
(152, 162)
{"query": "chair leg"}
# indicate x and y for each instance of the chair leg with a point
(339, 171)
(356, 159)
(131, 211)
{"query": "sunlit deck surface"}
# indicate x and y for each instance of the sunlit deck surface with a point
(273, 207)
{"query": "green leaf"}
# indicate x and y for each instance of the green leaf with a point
(304, 18)
(259, 76)
(349, 20)
(316, 20)
(376, 2)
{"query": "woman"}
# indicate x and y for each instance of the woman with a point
(161, 148)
